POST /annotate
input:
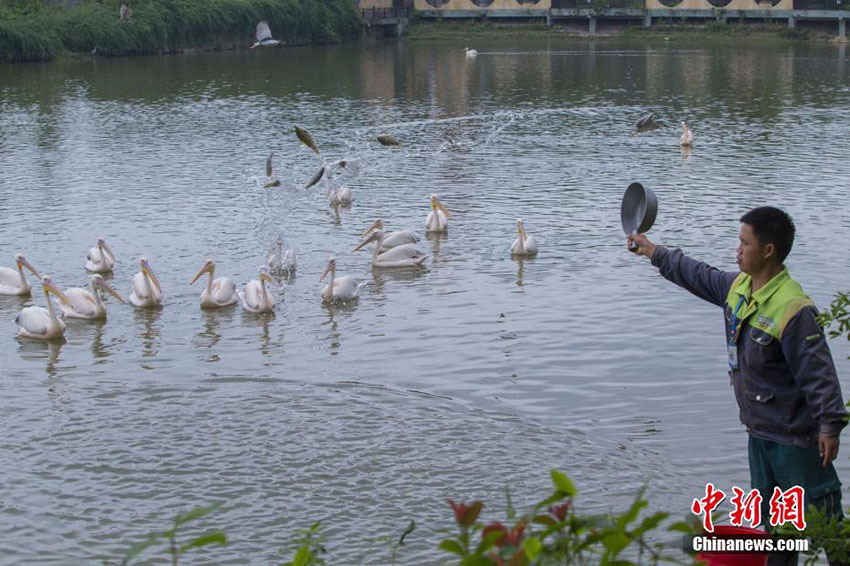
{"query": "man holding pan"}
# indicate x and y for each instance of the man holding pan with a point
(779, 361)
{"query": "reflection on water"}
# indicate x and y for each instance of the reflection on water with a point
(533, 357)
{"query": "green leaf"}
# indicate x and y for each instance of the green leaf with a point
(488, 541)
(545, 520)
(141, 547)
(194, 514)
(475, 560)
(652, 521)
(682, 527)
(616, 542)
(301, 557)
(212, 538)
(410, 528)
(563, 483)
(532, 547)
(452, 546)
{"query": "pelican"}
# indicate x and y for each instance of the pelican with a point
(100, 258)
(256, 298)
(405, 255)
(392, 239)
(220, 292)
(281, 262)
(42, 323)
(687, 139)
(13, 281)
(341, 195)
(648, 123)
(147, 291)
(339, 289)
(264, 36)
(524, 245)
(87, 304)
(438, 219)
(470, 53)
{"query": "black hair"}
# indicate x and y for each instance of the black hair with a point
(772, 226)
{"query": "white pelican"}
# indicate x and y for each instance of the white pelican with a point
(147, 291)
(87, 304)
(340, 195)
(687, 139)
(13, 281)
(405, 255)
(392, 239)
(281, 262)
(264, 36)
(42, 323)
(470, 53)
(220, 292)
(339, 289)
(524, 245)
(256, 298)
(100, 258)
(438, 219)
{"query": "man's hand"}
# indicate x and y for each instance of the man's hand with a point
(828, 448)
(640, 244)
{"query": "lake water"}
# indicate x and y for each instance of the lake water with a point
(477, 372)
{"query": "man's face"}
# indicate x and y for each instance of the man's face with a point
(751, 254)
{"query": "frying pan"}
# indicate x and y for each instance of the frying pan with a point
(638, 209)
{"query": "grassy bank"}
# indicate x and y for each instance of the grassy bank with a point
(662, 30)
(31, 32)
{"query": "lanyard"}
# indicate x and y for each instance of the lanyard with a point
(734, 323)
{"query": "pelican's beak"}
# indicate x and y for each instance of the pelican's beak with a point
(325, 272)
(444, 209)
(29, 266)
(52, 288)
(146, 269)
(108, 288)
(208, 267)
(364, 242)
(374, 226)
(108, 249)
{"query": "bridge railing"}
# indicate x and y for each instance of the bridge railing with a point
(372, 15)
(600, 4)
(822, 5)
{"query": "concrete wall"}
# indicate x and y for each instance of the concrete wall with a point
(495, 5)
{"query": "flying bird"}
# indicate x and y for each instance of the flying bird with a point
(264, 36)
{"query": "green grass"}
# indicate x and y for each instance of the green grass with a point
(32, 33)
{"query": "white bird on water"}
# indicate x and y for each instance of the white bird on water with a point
(41, 323)
(219, 292)
(438, 219)
(405, 255)
(147, 291)
(687, 139)
(256, 298)
(470, 53)
(100, 258)
(87, 304)
(281, 261)
(264, 36)
(392, 239)
(13, 281)
(339, 289)
(340, 195)
(524, 245)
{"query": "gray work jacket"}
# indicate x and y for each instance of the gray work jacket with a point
(786, 385)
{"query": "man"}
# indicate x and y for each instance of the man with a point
(779, 362)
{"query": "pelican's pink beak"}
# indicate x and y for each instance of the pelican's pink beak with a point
(50, 287)
(146, 270)
(365, 241)
(23, 262)
(208, 267)
(108, 288)
(376, 225)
